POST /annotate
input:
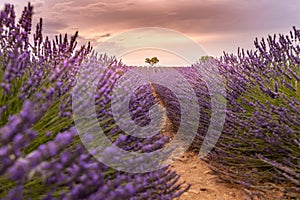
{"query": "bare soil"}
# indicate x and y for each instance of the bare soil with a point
(205, 185)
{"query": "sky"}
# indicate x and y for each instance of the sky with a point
(215, 25)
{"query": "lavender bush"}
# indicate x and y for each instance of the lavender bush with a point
(259, 147)
(40, 151)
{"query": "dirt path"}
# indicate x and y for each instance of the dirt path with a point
(205, 185)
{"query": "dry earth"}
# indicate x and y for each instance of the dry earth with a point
(205, 185)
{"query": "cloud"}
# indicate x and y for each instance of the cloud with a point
(208, 21)
(227, 23)
(54, 26)
(188, 16)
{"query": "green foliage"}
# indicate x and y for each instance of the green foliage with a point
(152, 61)
(206, 58)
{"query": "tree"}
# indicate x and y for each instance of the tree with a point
(152, 61)
(206, 58)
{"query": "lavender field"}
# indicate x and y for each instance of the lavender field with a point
(42, 155)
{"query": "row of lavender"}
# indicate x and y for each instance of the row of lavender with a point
(259, 147)
(260, 144)
(40, 152)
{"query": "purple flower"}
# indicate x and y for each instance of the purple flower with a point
(19, 169)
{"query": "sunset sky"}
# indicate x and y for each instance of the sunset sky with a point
(216, 25)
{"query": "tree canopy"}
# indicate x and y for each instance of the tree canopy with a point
(152, 61)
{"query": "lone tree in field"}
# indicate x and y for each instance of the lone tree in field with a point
(206, 58)
(152, 61)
